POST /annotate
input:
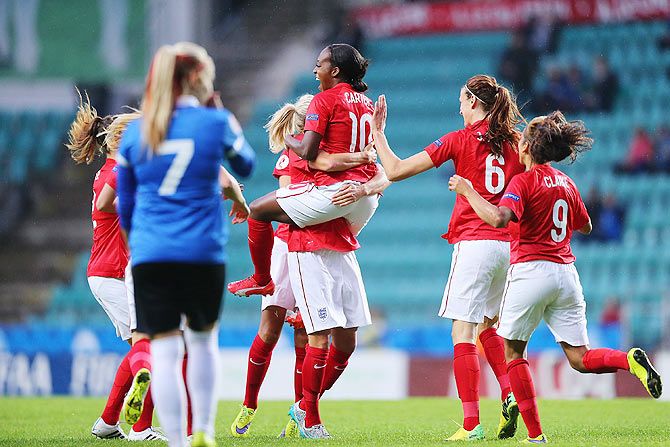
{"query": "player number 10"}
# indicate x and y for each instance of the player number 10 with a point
(356, 128)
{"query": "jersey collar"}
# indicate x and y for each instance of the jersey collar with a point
(187, 101)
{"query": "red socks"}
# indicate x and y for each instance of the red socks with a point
(297, 372)
(335, 365)
(147, 415)
(189, 412)
(604, 360)
(466, 372)
(140, 356)
(120, 387)
(313, 370)
(524, 392)
(261, 240)
(259, 361)
(494, 349)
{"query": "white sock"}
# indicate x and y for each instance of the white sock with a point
(167, 387)
(201, 372)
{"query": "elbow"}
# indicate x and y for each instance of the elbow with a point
(310, 155)
(394, 176)
(499, 221)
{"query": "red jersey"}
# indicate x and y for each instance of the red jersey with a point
(549, 208)
(343, 118)
(489, 175)
(281, 169)
(109, 254)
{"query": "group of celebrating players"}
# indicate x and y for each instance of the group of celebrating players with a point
(158, 198)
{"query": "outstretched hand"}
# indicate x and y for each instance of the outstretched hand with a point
(459, 184)
(379, 115)
(239, 212)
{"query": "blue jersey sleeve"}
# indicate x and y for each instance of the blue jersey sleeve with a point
(237, 150)
(126, 184)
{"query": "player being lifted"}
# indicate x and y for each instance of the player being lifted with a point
(485, 151)
(543, 207)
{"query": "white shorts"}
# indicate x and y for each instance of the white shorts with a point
(329, 290)
(543, 289)
(307, 205)
(130, 293)
(111, 294)
(476, 281)
(283, 296)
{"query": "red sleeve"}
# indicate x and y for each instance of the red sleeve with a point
(580, 216)
(514, 196)
(443, 149)
(318, 114)
(281, 167)
(111, 178)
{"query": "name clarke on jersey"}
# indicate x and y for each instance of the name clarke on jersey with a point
(557, 180)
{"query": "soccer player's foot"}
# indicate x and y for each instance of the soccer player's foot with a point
(476, 434)
(508, 418)
(317, 431)
(641, 367)
(298, 415)
(201, 439)
(249, 286)
(291, 430)
(134, 401)
(242, 422)
(149, 434)
(103, 430)
(539, 440)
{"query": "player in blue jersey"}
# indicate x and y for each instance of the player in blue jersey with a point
(170, 206)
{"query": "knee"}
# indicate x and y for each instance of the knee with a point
(256, 210)
(577, 364)
(269, 334)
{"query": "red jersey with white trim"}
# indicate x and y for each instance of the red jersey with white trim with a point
(549, 208)
(109, 254)
(343, 118)
(489, 175)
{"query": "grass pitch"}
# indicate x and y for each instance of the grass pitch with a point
(63, 421)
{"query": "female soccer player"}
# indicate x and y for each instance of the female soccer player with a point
(169, 203)
(485, 152)
(289, 169)
(545, 208)
(337, 121)
(92, 135)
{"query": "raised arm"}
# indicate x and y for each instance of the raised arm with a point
(308, 148)
(396, 168)
(496, 216)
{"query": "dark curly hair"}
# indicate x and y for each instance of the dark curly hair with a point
(553, 138)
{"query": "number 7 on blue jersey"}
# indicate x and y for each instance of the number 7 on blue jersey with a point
(183, 149)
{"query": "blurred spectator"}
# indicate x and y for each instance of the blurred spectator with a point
(640, 154)
(604, 88)
(518, 65)
(594, 204)
(541, 33)
(557, 94)
(611, 314)
(663, 149)
(610, 221)
(345, 29)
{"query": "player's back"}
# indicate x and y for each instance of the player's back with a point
(552, 210)
(178, 214)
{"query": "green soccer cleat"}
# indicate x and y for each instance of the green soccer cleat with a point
(134, 401)
(476, 434)
(539, 440)
(641, 367)
(291, 430)
(508, 418)
(242, 422)
(201, 439)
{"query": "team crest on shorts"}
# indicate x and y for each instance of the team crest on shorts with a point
(323, 314)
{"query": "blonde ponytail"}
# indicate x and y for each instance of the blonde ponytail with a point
(289, 120)
(84, 137)
(159, 97)
(116, 129)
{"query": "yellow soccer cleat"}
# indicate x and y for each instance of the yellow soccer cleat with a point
(539, 440)
(476, 434)
(134, 401)
(291, 430)
(641, 367)
(200, 439)
(508, 418)
(242, 422)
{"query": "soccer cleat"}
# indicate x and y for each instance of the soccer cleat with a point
(291, 430)
(249, 286)
(539, 440)
(298, 415)
(242, 422)
(149, 434)
(134, 401)
(316, 432)
(508, 418)
(641, 367)
(476, 434)
(103, 430)
(200, 439)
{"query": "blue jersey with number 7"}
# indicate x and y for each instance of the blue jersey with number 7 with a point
(169, 199)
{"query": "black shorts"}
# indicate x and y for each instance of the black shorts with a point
(164, 291)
